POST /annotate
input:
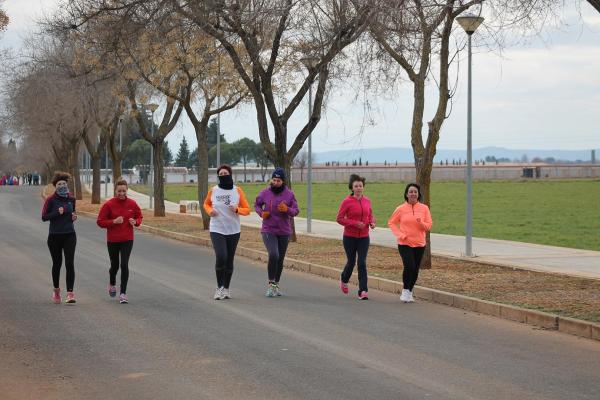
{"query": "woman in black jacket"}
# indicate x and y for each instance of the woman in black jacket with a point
(59, 209)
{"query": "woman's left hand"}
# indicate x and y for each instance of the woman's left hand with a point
(73, 216)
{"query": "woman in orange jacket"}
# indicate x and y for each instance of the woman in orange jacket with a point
(409, 223)
(225, 203)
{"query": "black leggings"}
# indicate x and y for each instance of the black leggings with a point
(59, 243)
(411, 258)
(224, 246)
(353, 247)
(276, 247)
(114, 250)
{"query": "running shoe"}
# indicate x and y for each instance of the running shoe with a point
(411, 299)
(218, 294)
(56, 296)
(225, 293)
(123, 298)
(405, 295)
(112, 290)
(271, 290)
(344, 287)
(277, 290)
(70, 298)
(363, 295)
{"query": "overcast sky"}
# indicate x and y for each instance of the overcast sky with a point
(545, 95)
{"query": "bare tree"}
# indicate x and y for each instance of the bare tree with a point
(267, 41)
(300, 162)
(4, 20)
(416, 35)
(189, 57)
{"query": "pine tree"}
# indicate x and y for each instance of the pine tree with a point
(183, 155)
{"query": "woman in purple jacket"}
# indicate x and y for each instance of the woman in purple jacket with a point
(276, 206)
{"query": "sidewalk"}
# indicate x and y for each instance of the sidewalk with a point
(535, 257)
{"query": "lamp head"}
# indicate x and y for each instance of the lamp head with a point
(469, 22)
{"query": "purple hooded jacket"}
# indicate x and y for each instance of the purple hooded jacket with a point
(278, 223)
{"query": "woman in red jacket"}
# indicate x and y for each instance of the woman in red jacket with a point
(409, 223)
(356, 216)
(119, 215)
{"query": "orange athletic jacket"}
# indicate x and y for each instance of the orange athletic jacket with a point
(409, 223)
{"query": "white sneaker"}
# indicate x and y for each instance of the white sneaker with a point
(218, 294)
(411, 299)
(225, 293)
(405, 296)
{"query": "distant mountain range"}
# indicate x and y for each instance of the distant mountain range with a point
(405, 155)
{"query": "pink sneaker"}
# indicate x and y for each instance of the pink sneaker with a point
(363, 295)
(344, 287)
(112, 290)
(123, 298)
(56, 296)
(70, 298)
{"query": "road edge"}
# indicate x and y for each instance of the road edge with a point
(572, 326)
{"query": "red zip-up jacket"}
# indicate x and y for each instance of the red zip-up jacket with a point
(114, 208)
(352, 211)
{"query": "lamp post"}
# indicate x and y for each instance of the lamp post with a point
(469, 23)
(152, 107)
(121, 118)
(309, 63)
(106, 166)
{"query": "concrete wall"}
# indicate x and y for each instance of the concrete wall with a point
(401, 173)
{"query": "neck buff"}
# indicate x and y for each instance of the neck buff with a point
(226, 182)
(276, 189)
(62, 191)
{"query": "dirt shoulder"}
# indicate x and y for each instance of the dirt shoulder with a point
(562, 295)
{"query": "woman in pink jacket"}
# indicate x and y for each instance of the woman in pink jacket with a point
(356, 216)
(409, 223)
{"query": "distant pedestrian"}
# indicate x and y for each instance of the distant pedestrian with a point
(409, 223)
(276, 205)
(225, 203)
(119, 215)
(356, 215)
(59, 209)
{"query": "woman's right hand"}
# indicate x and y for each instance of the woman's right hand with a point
(61, 210)
(266, 215)
(360, 225)
(118, 220)
(213, 213)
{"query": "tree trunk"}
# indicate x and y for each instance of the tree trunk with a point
(202, 171)
(287, 165)
(96, 178)
(424, 181)
(77, 177)
(116, 156)
(159, 183)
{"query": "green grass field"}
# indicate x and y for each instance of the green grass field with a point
(557, 213)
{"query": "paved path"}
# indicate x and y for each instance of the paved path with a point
(174, 342)
(530, 256)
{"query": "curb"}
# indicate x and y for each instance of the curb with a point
(540, 319)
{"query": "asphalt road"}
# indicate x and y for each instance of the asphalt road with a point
(173, 341)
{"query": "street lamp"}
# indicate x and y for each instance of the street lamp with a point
(106, 166)
(469, 23)
(152, 107)
(121, 119)
(309, 62)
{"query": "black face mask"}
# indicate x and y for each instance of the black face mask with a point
(276, 189)
(226, 182)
